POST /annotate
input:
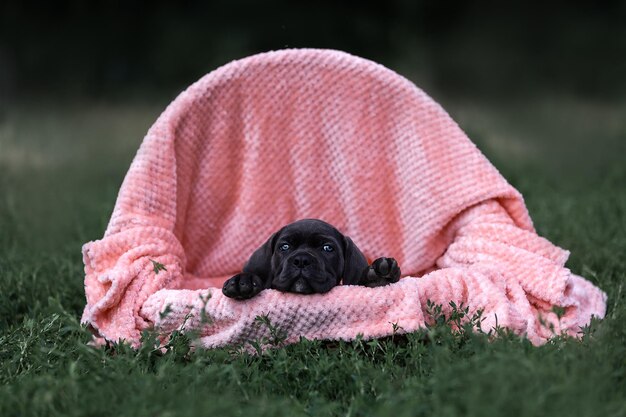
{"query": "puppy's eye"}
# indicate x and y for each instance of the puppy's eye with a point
(327, 248)
(284, 247)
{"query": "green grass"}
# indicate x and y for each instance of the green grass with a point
(61, 166)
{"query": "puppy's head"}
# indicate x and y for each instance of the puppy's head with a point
(308, 256)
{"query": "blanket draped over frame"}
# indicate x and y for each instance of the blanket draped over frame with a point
(293, 134)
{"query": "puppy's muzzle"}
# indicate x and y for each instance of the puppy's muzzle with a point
(301, 267)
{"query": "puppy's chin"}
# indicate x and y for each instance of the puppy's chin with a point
(302, 284)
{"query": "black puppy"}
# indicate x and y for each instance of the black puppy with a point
(308, 256)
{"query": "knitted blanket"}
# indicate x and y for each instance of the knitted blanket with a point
(293, 134)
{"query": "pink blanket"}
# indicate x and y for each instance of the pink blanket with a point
(294, 134)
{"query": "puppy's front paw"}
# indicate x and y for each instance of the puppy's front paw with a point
(383, 271)
(242, 286)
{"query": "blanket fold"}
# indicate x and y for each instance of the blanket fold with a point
(293, 134)
(135, 262)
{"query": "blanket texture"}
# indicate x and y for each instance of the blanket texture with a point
(293, 134)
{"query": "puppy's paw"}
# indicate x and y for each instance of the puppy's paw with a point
(242, 286)
(383, 271)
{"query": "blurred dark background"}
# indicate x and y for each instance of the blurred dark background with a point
(478, 49)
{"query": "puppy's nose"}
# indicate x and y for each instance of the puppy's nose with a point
(302, 260)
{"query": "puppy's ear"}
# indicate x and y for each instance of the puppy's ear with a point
(354, 263)
(260, 263)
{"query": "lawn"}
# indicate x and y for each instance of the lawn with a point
(61, 167)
